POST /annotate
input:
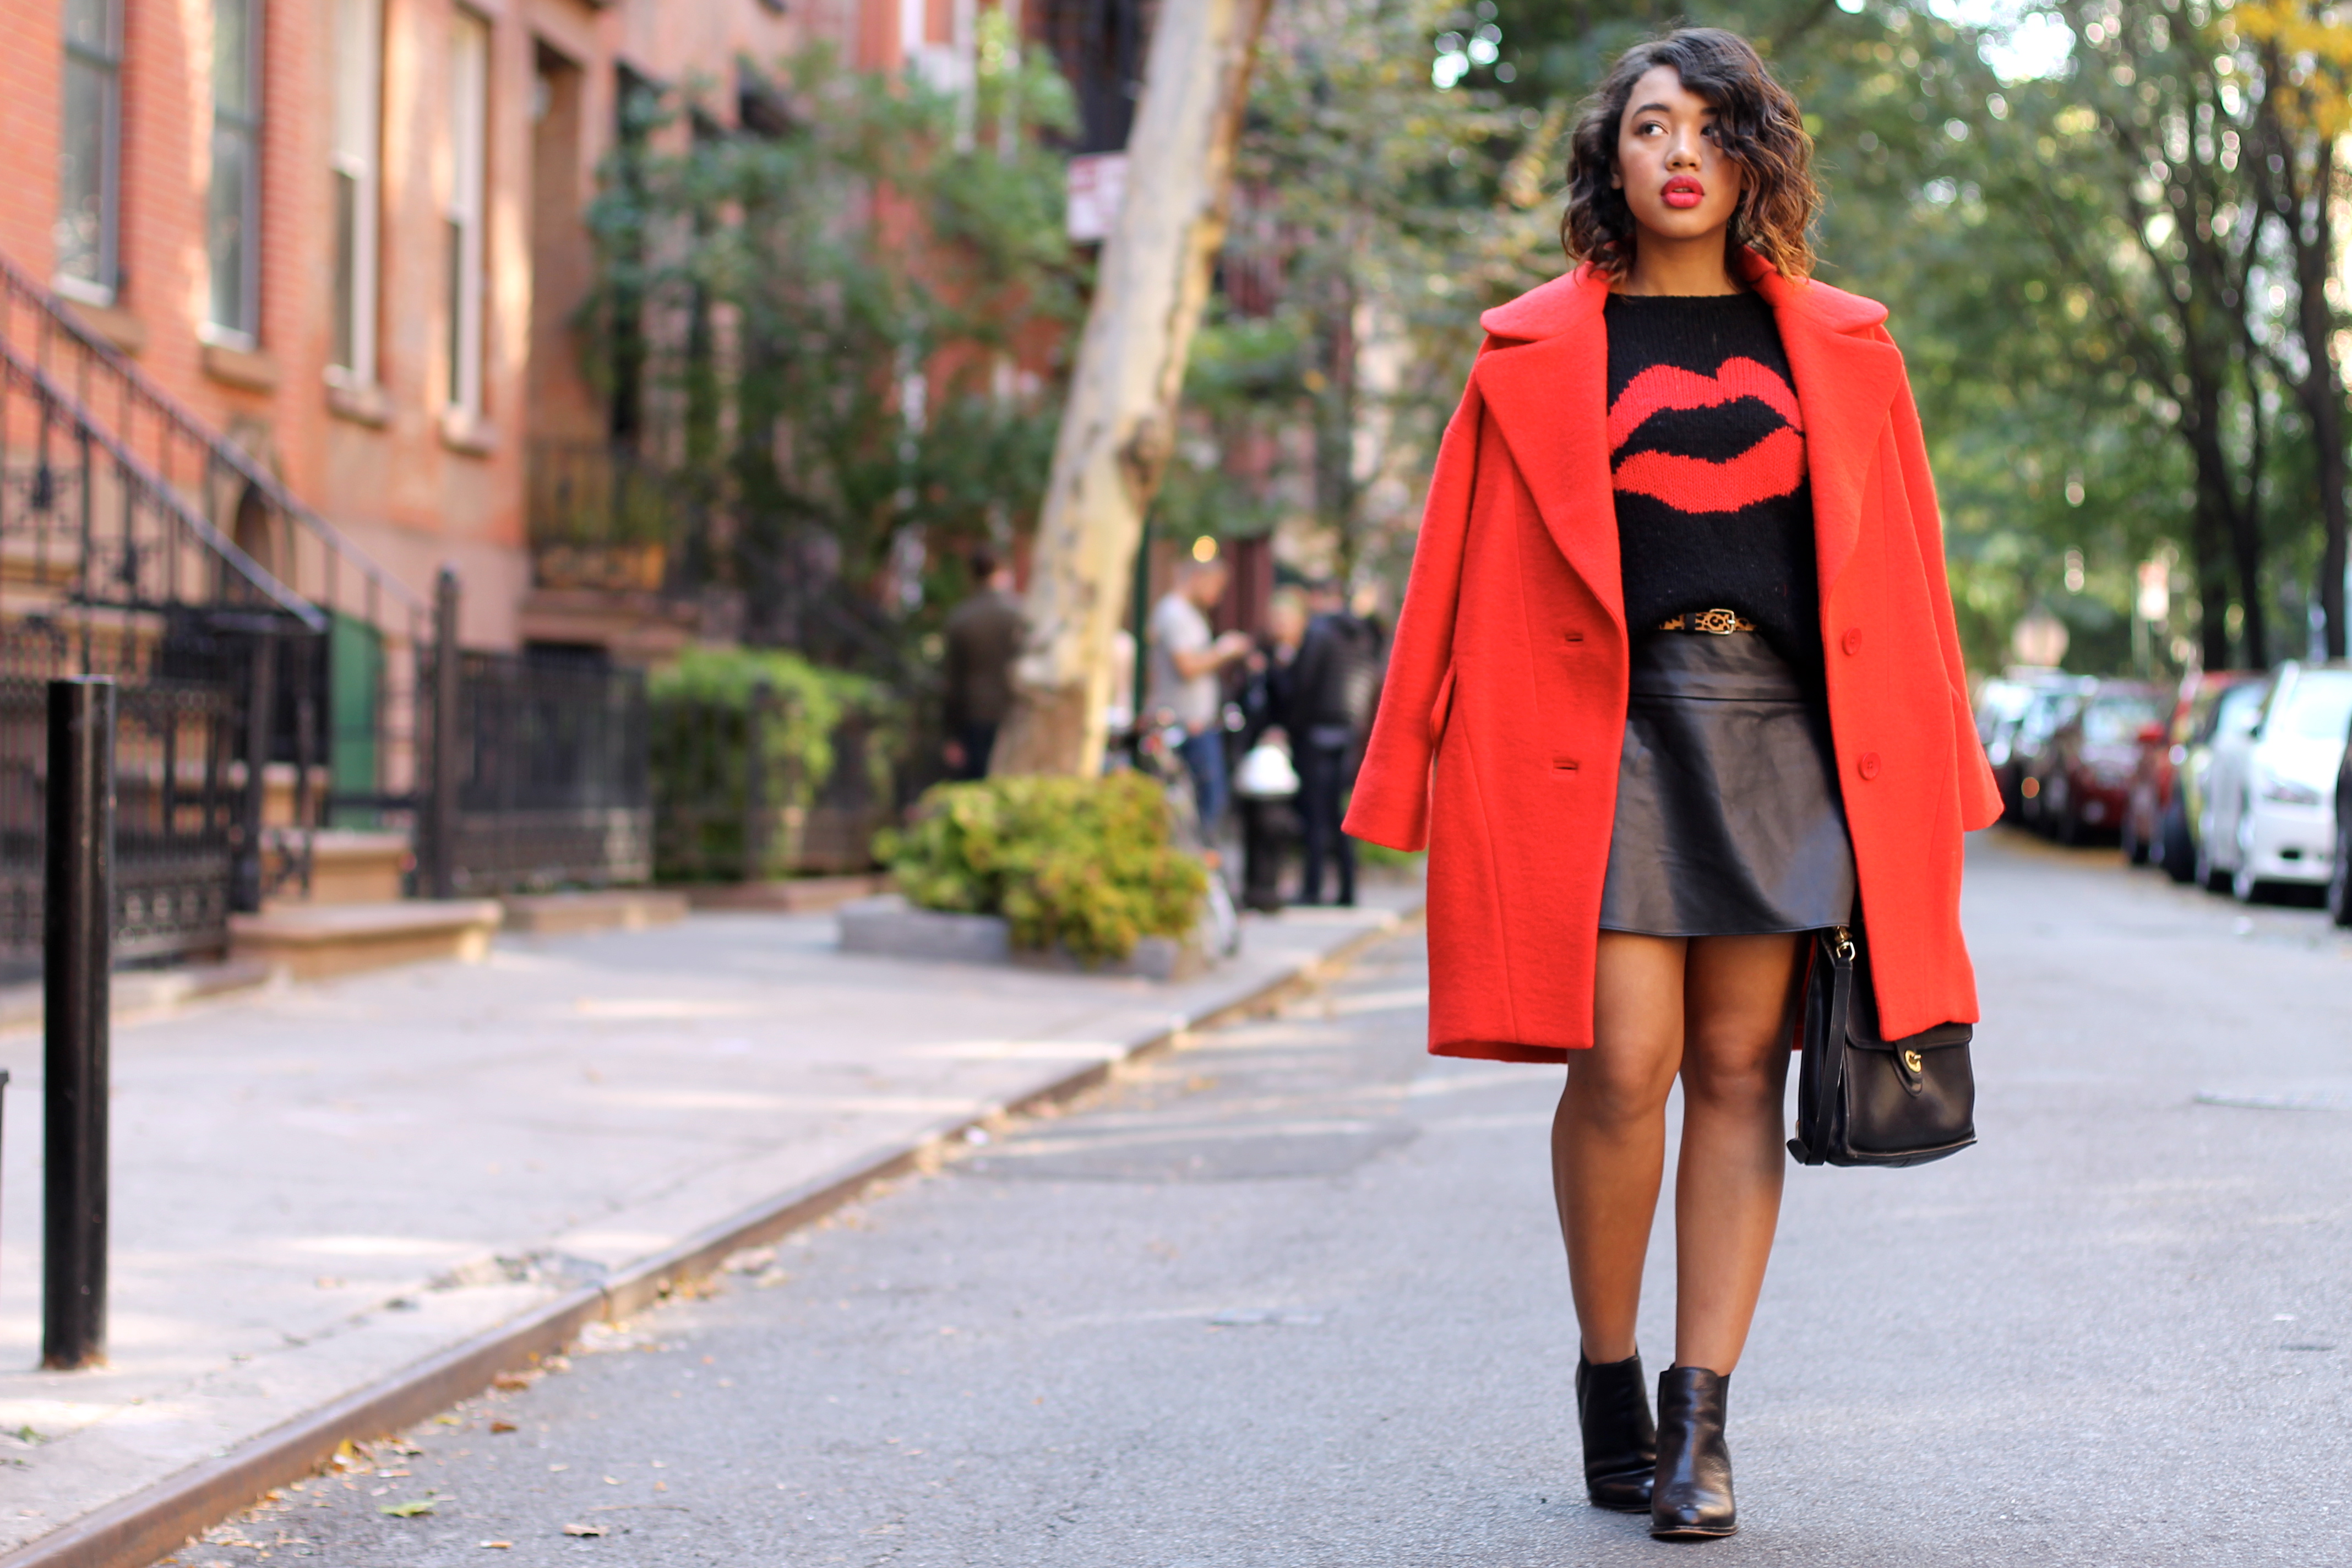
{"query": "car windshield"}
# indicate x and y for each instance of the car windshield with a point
(2321, 708)
(2118, 720)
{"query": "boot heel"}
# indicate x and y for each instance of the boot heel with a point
(1620, 1442)
(1691, 1500)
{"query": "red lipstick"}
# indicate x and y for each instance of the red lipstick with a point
(1682, 191)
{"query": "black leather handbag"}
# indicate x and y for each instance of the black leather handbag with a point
(1863, 1099)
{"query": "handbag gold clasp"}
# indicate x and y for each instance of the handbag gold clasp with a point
(1911, 1059)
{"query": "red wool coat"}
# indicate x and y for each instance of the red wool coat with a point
(1496, 743)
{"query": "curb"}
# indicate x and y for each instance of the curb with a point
(135, 1530)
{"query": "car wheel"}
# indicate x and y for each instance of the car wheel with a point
(2130, 840)
(2339, 877)
(2176, 849)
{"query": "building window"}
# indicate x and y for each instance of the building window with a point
(87, 159)
(358, 76)
(469, 92)
(233, 229)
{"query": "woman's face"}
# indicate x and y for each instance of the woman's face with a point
(1670, 164)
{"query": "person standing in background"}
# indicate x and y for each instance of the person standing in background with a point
(1268, 820)
(1334, 691)
(983, 635)
(1186, 659)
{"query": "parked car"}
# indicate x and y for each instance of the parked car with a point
(2339, 870)
(2155, 830)
(2269, 818)
(2226, 724)
(2017, 773)
(2085, 771)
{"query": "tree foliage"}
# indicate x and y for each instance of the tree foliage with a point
(847, 335)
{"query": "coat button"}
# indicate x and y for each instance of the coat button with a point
(1866, 764)
(1563, 764)
(1852, 640)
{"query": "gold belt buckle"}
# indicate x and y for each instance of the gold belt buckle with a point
(1714, 623)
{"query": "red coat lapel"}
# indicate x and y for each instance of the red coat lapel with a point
(1847, 376)
(1549, 397)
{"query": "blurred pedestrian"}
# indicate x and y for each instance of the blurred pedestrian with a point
(1612, 726)
(983, 637)
(1186, 660)
(1269, 811)
(1337, 687)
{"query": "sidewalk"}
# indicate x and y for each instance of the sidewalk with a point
(318, 1187)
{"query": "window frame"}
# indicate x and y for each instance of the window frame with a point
(246, 124)
(464, 215)
(355, 152)
(107, 61)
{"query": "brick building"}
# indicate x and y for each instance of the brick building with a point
(346, 235)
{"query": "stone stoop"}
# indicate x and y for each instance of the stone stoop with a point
(350, 866)
(615, 908)
(312, 941)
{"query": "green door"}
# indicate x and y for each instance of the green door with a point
(355, 695)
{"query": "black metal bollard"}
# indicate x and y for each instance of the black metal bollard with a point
(78, 950)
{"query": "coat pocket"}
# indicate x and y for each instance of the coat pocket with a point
(1441, 710)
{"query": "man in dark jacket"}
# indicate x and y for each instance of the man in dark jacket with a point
(1335, 686)
(983, 635)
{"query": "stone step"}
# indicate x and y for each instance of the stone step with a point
(311, 942)
(613, 909)
(789, 895)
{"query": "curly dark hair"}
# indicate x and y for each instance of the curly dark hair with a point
(1761, 129)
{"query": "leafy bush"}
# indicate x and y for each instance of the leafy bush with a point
(705, 777)
(1086, 864)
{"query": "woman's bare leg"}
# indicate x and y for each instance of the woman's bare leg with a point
(1608, 1136)
(1740, 999)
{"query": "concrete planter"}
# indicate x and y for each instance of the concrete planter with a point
(894, 928)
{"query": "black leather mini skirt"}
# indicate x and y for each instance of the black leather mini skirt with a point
(1729, 817)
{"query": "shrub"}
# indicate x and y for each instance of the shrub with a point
(1086, 864)
(703, 772)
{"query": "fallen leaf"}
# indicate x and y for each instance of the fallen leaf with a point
(449, 1420)
(408, 1509)
(496, 1545)
(611, 1482)
(552, 1468)
(514, 1381)
(496, 1427)
(583, 1529)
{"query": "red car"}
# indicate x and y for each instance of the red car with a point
(2085, 772)
(2154, 832)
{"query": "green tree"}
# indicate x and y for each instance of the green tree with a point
(844, 336)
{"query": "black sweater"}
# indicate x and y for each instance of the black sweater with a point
(1707, 455)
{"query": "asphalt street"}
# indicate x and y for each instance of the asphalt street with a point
(1293, 1295)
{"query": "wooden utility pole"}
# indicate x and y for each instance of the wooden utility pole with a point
(1118, 430)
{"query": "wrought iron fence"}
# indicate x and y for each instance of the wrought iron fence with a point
(548, 773)
(117, 506)
(189, 841)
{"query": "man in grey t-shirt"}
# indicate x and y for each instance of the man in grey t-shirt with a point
(1186, 658)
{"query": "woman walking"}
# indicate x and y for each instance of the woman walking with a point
(1676, 682)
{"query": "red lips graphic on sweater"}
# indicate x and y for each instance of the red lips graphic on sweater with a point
(1771, 468)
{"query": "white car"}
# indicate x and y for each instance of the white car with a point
(2270, 816)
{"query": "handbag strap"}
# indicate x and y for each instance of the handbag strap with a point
(1824, 1082)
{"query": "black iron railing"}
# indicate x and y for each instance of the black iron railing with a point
(602, 517)
(188, 850)
(550, 776)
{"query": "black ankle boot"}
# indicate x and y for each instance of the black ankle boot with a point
(1621, 1445)
(1692, 1499)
